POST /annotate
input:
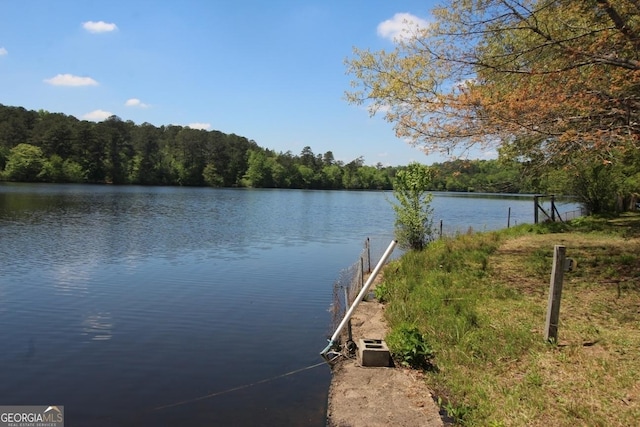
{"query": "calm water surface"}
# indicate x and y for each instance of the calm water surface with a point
(141, 306)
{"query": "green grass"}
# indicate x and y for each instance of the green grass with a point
(480, 301)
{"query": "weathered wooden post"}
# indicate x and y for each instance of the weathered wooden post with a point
(441, 229)
(509, 218)
(535, 209)
(555, 293)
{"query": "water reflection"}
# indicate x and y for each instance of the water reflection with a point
(71, 278)
(97, 327)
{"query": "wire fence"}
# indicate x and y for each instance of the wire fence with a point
(577, 213)
(441, 230)
(350, 281)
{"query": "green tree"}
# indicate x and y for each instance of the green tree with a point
(328, 159)
(211, 176)
(15, 125)
(72, 171)
(4, 155)
(307, 176)
(52, 169)
(119, 150)
(90, 152)
(278, 174)
(193, 155)
(350, 177)
(147, 160)
(332, 177)
(258, 173)
(25, 163)
(307, 158)
(55, 169)
(414, 220)
(597, 185)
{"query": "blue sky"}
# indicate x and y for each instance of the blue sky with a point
(270, 71)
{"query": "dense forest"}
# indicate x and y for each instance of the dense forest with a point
(39, 146)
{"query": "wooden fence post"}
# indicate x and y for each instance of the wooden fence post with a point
(535, 209)
(555, 293)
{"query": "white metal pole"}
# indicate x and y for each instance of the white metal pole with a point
(363, 291)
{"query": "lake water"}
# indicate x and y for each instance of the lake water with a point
(147, 306)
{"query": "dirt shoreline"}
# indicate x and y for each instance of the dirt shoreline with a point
(377, 397)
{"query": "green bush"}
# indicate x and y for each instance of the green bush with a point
(382, 292)
(409, 347)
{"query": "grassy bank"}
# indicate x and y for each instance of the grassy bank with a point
(480, 301)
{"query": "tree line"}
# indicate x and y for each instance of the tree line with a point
(39, 146)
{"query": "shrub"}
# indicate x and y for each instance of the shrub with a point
(409, 347)
(413, 226)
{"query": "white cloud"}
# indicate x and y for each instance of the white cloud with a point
(97, 115)
(71, 80)
(135, 102)
(3, 51)
(99, 26)
(400, 26)
(202, 126)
